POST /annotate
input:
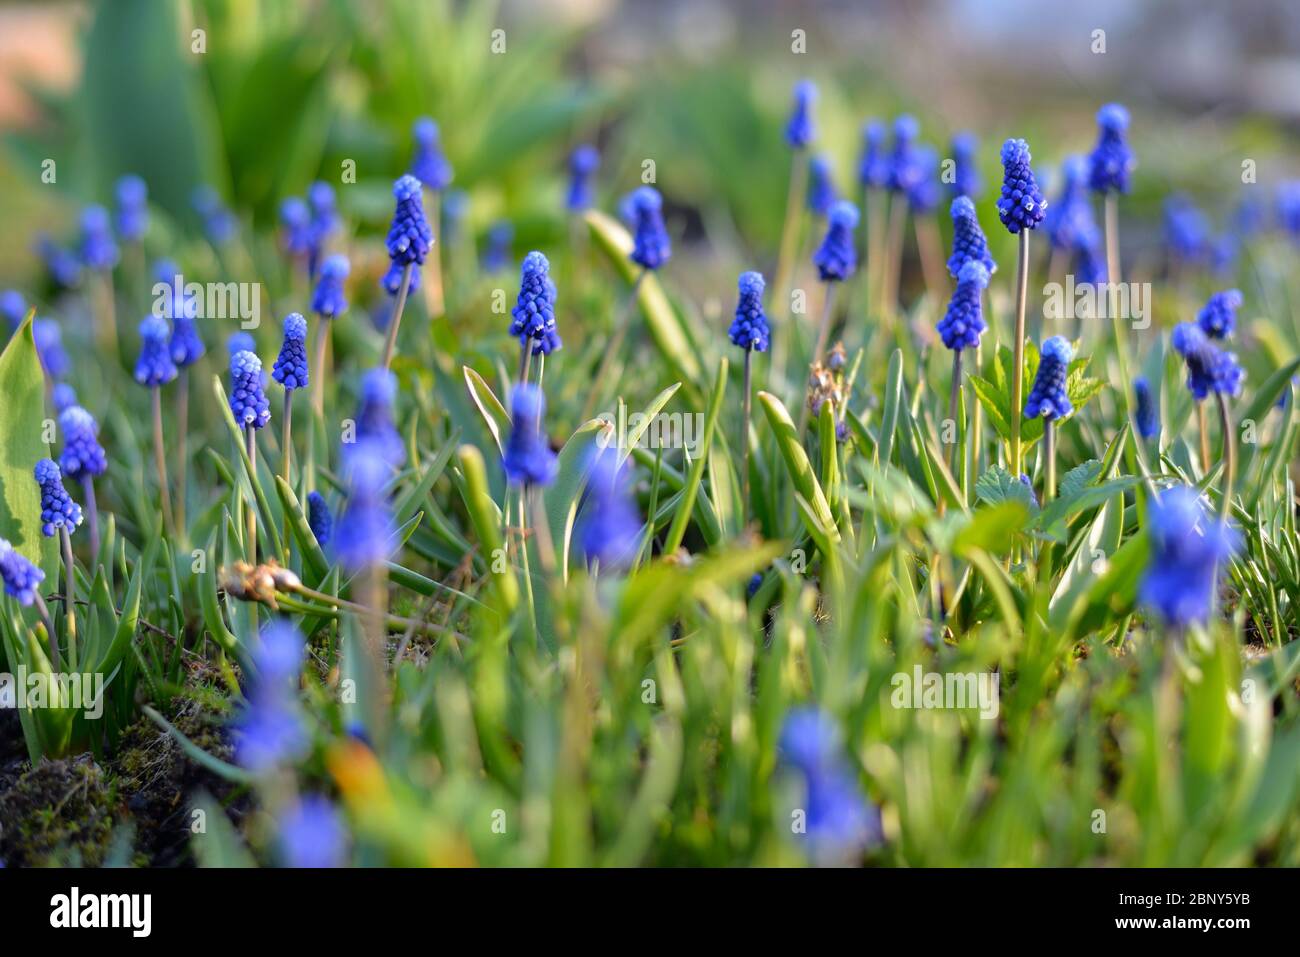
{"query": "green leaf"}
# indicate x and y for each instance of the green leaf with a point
(677, 530)
(992, 529)
(800, 469)
(494, 413)
(997, 486)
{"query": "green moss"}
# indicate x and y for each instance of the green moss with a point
(58, 814)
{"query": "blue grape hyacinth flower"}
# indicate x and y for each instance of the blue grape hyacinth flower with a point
(21, 577)
(651, 247)
(58, 510)
(98, 249)
(186, 345)
(1188, 549)
(1089, 258)
(82, 455)
(528, 458)
(63, 396)
(1111, 161)
(312, 835)
(925, 193)
(319, 519)
(374, 418)
(873, 166)
(963, 323)
(248, 401)
(1148, 417)
(966, 178)
(49, 348)
(410, 236)
(1070, 216)
(836, 258)
(219, 223)
(583, 163)
(496, 255)
(131, 216)
(429, 164)
(240, 342)
(902, 159)
(799, 129)
(968, 240)
(534, 310)
(13, 308)
(363, 533)
(290, 369)
(330, 297)
(324, 216)
(1187, 229)
(269, 733)
(1048, 397)
(749, 329)
(1209, 368)
(611, 526)
(155, 365)
(1218, 318)
(821, 187)
(1022, 205)
(61, 264)
(296, 233)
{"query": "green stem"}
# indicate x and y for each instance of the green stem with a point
(250, 444)
(69, 598)
(390, 341)
(954, 396)
(744, 433)
(160, 461)
(1049, 452)
(1018, 354)
(1229, 455)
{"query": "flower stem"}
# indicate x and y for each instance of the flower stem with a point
(1229, 455)
(525, 359)
(160, 460)
(892, 268)
(435, 297)
(390, 342)
(1018, 354)
(1049, 453)
(183, 430)
(69, 598)
(44, 612)
(744, 433)
(615, 346)
(954, 396)
(1203, 423)
(785, 257)
(92, 517)
(318, 369)
(930, 248)
(250, 443)
(824, 328)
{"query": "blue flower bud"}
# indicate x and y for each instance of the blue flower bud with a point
(98, 250)
(1219, 317)
(1148, 417)
(497, 254)
(1111, 160)
(1090, 258)
(1070, 217)
(330, 298)
(873, 166)
(799, 130)
(1188, 550)
(13, 307)
(218, 222)
(429, 165)
(1187, 230)
(749, 330)
(63, 267)
(836, 258)
(319, 518)
(1049, 397)
(821, 188)
(528, 458)
(290, 369)
(155, 366)
(82, 456)
(374, 418)
(409, 237)
(968, 241)
(49, 348)
(363, 537)
(63, 396)
(1022, 205)
(1209, 369)
(651, 247)
(295, 227)
(902, 159)
(21, 577)
(924, 193)
(58, 510)
(131, 218)
(963, 323)
(248, 401)
(324, 219)
(966, 178)
(611, 526)
(583, 162)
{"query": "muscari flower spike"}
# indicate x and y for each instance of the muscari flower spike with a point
(902, 159)
(1187, 230)
(1188, 547)
(63, 396)
(966, 178)
(528, 458)
(98, 250)
(58, 510)
(324, 215)
(799, 129)
(13, 307)
(290, 369)
(1219, 317)
(455, 210)
(409, 237)
(611, 526)
(496, 256)
(82, 456)
(295, 227)
(155, 365)
(319, 519)
(248, 401)
(21, 577)
(374, 418)
(270, 733)
(1022, 205)
(240, 342)
(873, 166)
(534, 310)
(1209, 368)
(1148, 417)
(583, 163)
(821, 188)
(924, 194)
(312, 835)
(968, 240)
(131, 217)
(186, 345)
(651, 247)
(836, 258)
(63, 267)
(330, 298)
(1049, 398)
(429, 165)
(1111, 161)
(218, 221)
(1089, 258)
(963, 323)
(364, 531)
(1070, 216)
(749, 330)
(49, 348)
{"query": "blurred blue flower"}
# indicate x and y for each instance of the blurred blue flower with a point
(497, 254)
(873, 166)
(58, 510)
(98, 249)
(330, 296)
(319, 518)
(1188, 549)
(240, 342)
(49, 348)
(131, 217)
(821, 187)
(902, 159)
(1049, 397)
(363, 534)
(324, 221)
(219, 223)
(63, 396)
(1070, 216)
(375, 428)
(1022, 205)
(583, 163)
(1219, 316)
(925, 192)
(611, 525)
(1090, 258)
(1209, 369)
(21, 577)
(528, 458)
(799, 129)
(1187, 230)
(1111, 161)
(966, 177)
(63, 267)
(13, 307)
(82, 456)
(836, 258)
(1148, 417)
(295, 227)
(312, 835)
(429, 165)
(651, 247)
